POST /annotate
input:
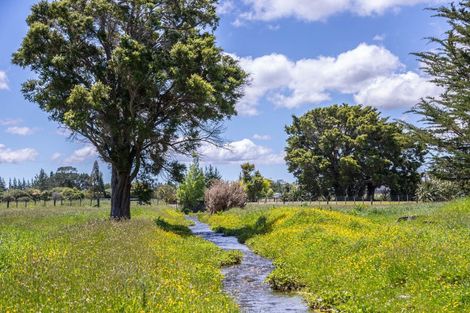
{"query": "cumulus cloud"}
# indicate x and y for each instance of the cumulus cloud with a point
(81, 155)
(10, 122)
(225, 7)
(261, 137)
(63, 132)
(8, 155)
(401, 90)
(22, 131)
(379, 37)
(290, 84)
(319, 10)
(3, 80)
(238, 152)
(370, 73)
(56, 156)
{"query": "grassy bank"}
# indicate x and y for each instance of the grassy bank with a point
(70, 259)
(361, 259)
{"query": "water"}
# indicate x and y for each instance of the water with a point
(246, 282)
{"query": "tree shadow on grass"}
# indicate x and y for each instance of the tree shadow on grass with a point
(177, 229)
(261, 226)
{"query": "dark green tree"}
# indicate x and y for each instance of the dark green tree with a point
(97, 190)
(253, 182)
(350, 151)
(66, 176)
(3, 185)
(41, 181)
(446, 118)
(211, 175)
(141, 80)
(143, 191)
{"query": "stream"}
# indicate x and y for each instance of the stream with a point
(246, 282)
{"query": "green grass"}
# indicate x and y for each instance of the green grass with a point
(360, 259)
(71, 259)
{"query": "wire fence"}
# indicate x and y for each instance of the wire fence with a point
(346, 201)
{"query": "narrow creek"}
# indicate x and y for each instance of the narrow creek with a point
(246, 282)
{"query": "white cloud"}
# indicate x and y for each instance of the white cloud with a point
(225, 7)
(81, 154)
(64, 132)
(10, 122)
(56, 156)
(3, 80)
(319, 10)
(379, 37)
(238, 152)
(401, 90)
(291, 84)
(274, 27)
(261, 137)
(22, 131)
(16, 156)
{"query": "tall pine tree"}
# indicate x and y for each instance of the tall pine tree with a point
(96, 183)
(447, 117)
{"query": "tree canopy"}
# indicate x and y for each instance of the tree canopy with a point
(446, 118)
(141, 80)
(351, 150)
(254, 184)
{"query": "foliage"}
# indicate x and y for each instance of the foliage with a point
(211, 175)
(367, 263)
(351, 150)
(166, 193)
(143, 191)
(3, 185)
(96, 182)
(190, 192)
(140, 80)
(34, 194)
(255, 185)
(446, 118)
(434, 189)
(57, 260)
(223, 196)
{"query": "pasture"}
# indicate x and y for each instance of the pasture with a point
(362, 259)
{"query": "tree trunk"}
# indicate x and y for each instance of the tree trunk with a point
(370, 192)
(121, 195)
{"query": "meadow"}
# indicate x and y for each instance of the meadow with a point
(361, 258)
(74, 259)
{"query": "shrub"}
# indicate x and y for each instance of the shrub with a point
(143, 191)
(438, 190)
(191, 191)
(223, 196)
(166, 193)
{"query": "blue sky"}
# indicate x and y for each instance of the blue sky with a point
(301, 54)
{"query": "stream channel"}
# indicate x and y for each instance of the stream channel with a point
(246, 282)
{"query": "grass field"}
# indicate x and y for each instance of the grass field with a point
(71, 259)
(360, 259)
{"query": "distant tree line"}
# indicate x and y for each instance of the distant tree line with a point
(65, 184)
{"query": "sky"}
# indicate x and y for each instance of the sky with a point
(300, 54)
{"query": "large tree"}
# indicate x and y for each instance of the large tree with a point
(351, 150)
(446, 118)
(141, 80)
